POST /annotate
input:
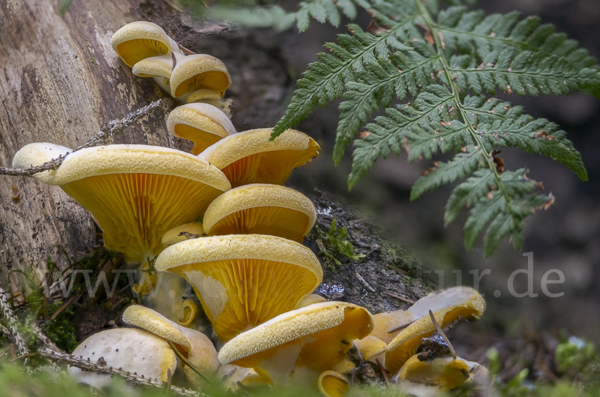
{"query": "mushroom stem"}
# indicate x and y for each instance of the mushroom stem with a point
(186, 362)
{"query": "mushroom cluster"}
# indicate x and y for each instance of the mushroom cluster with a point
(221, 220)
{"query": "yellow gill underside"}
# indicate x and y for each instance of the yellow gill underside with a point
(135, 210)
(133, 51)
(274, 221)
(202, 139)
(239, 294)
(268, 167)
(213, 80)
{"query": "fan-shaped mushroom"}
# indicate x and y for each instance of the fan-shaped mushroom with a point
(308, 340)
(140, 40)
(261, 209)
(243, 280)
(251, 157)
(199, 71)
(135, 192)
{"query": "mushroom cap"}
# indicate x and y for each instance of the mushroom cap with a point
(133, 350)
(152, 321)
(197, 348)
(250, 157)
(370, 346)
(332, 384)
(173, 236)
(135, 192)
(36, 154)
(261, 209)
(200, 123)
(387, 321)
(446, 372)
(447, 306)
(140, 40)
(158, 66)
(316, 336)
(199, 71)
(243, 280)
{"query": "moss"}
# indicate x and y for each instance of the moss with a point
(335, 241)
(62, 331)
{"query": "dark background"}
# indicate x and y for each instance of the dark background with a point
(565, 237)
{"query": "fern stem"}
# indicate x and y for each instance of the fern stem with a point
(435, 33)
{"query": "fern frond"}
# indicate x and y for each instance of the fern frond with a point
(474, 33)
(442, 65)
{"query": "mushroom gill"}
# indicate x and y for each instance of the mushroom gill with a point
(243, 280)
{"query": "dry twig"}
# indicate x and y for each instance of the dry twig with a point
(111, 129)
(135, 379)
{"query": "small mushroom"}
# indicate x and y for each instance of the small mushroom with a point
(133, 350)
(447, 307)
(140, 40)
(199, 71)
(333, 384)
(159, 68)
(261, 209)
(182, 233)
(200, 123)
(135, 192)
(251, 157)
(193, 345)
(243, 280)
(302, 342)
